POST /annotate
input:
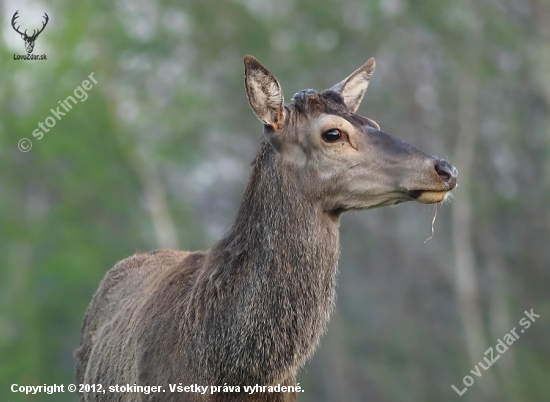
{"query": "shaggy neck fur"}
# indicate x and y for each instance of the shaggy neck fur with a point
(265, 290)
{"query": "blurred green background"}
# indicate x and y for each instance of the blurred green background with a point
(158, 156)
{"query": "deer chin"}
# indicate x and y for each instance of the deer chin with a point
(430, 197)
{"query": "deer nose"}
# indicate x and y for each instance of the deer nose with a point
(446, 172)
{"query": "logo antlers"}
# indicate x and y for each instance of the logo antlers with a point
(29, 40)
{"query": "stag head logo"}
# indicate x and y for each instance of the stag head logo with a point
(29, 40)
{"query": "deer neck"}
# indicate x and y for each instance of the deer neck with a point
(275, 269)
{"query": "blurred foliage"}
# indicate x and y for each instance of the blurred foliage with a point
(158, 155)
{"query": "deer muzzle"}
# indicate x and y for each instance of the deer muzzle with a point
(447, 174)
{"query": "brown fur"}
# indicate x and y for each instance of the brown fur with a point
(251, 309)
(244, 313)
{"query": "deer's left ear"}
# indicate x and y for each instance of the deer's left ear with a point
(264, 93)
(354, 87)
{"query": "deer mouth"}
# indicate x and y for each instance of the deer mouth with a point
(447, 175)
(429, 197)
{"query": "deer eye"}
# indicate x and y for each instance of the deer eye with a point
(332, 135)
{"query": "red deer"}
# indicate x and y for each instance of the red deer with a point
(252, 309)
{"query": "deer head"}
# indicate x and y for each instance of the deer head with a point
(29, 40)
(343, 159)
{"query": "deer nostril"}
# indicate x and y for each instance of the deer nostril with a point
(443, 174)
(445, 170)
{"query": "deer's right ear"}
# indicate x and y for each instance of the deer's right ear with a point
(354, 87)
(264, 93)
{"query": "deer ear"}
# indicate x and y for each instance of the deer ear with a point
(354, 87)
(264, 93)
